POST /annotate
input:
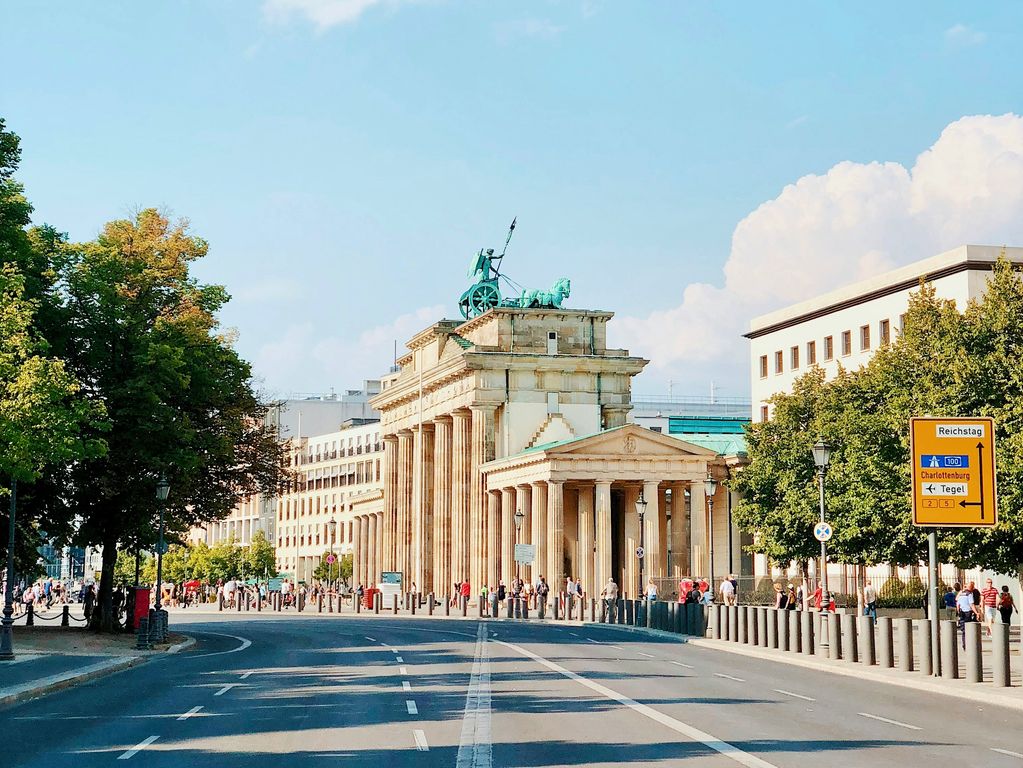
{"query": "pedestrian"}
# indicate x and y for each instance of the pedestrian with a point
(502, 591)
(651, 591)
(466, 591)
(1006, 605)
(735, 589)
(542, 590)
(727, 591)
(793, 600)
(610, 595)
(966, 609)
(976, 599)
(869, 600)
(989, 603)
(90, 601)
(949, 601)
(780, 598)
(569, 592)
(818, 598)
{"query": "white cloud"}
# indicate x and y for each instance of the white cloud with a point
(964, 35)
(852, 222)
(322, 13)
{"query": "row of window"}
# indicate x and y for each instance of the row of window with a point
(828, 348)
(312, 458)
(286, 541)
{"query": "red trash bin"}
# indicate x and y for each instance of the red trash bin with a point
(142, 598)
(367, 597)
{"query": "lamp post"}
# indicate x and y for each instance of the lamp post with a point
(162, 492)
(821, 457)
(641, 511)
(710, 486)
(519, 517)
(332, 527)
(7, 624)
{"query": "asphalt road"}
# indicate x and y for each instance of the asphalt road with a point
(275, 692)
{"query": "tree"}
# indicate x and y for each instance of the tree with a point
(260, 557)
(131, 322)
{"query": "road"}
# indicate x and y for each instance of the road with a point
(275, 692)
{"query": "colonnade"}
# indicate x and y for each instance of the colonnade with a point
(366, 548)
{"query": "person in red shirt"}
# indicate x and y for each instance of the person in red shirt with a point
(989, 603)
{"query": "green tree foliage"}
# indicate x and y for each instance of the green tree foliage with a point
(260, 557)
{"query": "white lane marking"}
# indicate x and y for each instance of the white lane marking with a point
(475, 747)
(371, 639)
(246, 675)
(891, 722)
(680, 664)
(137, 748)
(1008, 752)
(728, 750)
(729, 677)
(399, 659)
(573, 634)
(245, 643)
(190, 712)
(402, 670)
(590, 639)
(392, 650)
(795, 695)
(420, 738)
(411, 707)
(645, 654)
(405, 685)
(226, 688)
(616, 647)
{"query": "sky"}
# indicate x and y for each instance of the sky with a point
(688, 165)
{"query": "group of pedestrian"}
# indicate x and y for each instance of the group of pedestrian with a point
(983, 605)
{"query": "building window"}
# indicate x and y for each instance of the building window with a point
(829, 347)
(794, 358)
(779, 362)
(763, 366)
(763, 413)
(811, 353)
(902, 323)
(655, 429)
(864, 338)
(883, 332)
(846, 343)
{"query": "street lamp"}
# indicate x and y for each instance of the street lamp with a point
(7, 624)
(519, 517)
(641, 511)
(162, 492)
(332, 527)
(710, 486)
(821, 458)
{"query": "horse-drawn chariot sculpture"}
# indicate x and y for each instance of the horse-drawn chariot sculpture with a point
(485, 293)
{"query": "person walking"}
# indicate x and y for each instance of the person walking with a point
(949, 600)
(781, 598)
(651, 591)
(466, 591)
(869, 600)
(542, 590)
(966, 609)
(989, 604)
(727, 590)
(1006, 605)
(610, 595)
(793, 600)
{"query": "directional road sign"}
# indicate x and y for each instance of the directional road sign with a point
(953, 471)
(640, 552)
(822, 532)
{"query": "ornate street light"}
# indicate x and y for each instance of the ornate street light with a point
(332, 527)
(821, 458)
(162, 492)
(710, 487)
(641, 511)
(7, 624)
(520, 516)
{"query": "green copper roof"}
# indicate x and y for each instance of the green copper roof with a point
(722, 444)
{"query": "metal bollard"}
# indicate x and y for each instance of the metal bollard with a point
(447, 606)
(752, 628)
(950, 649)
(510, 607)
(525, 608)
(394, 603)
(627, 611)
(301, 602)
(329, 599)
(541, 607)
(142, 635)
(1000, 655)
(733, 623)
(65, 616)
(259, 601)
(793, 621)
(377, 600)
(772, 627)
(806, 634)
(885, 648)
(904, 649)
(848, 628)
(762, 626)
(220, 601)
(722, 612)
(866, 640)
(430, 604)
(412, 604)
(783, 629)
(715, 622)
(923, 648)
(569, 607)
(465, 607)
(620, 610)
(358, 604)
(238, 600)
(741, 628)
(593, 610)
(834, 637)
(974, 662)
(30, 614)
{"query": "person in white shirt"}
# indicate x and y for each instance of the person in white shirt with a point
(727, 591)
(651, 590)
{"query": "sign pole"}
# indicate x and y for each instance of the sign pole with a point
(932, 591)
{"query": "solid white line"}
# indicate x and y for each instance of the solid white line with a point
(399, 659)
(1008, 752)
(411, 707)
(190, 712)
(680, 664)
(420, 738)
(245, 644)
(796, 695)
(728, 750)
(137, 748)
(891, 722)
(405, 685)
(475, 745)
(729, 677)
(645, 654)
(246, 675)
(226, 688)
(402, 670)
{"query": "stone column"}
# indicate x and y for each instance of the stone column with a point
(556, 535)
(602, 564)
(585, 549)
(443, 580)
(631, 585)
(422, 506)
(364, 547)
(372, 575)
(698, 530)
(539, 529)
(390, 513)
(679, 533)
(523, 502)
(652, 565)
(507, 546)
(403, 530)
(357, 551)
(491, 574)
(461, 428)
(481, 452)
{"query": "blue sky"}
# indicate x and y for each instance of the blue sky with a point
(345, 158)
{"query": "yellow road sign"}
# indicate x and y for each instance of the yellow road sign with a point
(953, 471)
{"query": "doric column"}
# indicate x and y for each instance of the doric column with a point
(461, 431)
(698, 530)
(422, 506)
(482, 451)
(585, 550)
(490, 575)
(508, 535)
(443, 580)
(523, 504)
(602, 564)
(372, 576)
(679, 533)
(390, 513)
(631, 583)
(403, 529)
(654, 515)
(357, 552)
(539, 529)
(364, 542)
(556, 535)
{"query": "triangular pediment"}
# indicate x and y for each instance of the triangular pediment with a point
(629, 440)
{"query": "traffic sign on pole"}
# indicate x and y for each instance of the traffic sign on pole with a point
(953, 471)
(822, 532)
(640, 552)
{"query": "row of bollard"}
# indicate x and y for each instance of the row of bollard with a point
(887, 643)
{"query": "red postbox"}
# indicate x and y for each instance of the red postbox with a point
(142, 597)
(367, 597)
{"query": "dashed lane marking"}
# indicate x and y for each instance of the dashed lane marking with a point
(226, 688)
(649, 656)
(890, 722)
(420, 738)
(399, 659)
(405, 685)
(1008, 752)
(402, 670)
(729, 677)
(680, 664)
(246, 675)
(411, 707)
(137, 748)
(371, 639)
(190, 712)
(794, 695)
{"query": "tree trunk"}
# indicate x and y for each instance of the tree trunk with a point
(103, 612)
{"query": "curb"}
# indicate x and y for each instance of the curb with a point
(64, 680)
(975, 693)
